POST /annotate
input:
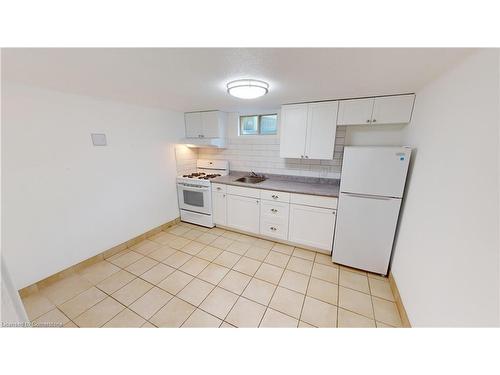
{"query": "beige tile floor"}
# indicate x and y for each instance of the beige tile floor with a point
(189, 276)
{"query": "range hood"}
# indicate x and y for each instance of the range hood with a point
(204, 142)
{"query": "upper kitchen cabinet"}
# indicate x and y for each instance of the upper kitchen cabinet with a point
(396, 109)
(293, 129)
(194, 127)
(308, 130)
(209, 124)
(393, 109)
(321, 130)
(355, 112)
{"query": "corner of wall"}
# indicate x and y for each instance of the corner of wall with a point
(453, 201)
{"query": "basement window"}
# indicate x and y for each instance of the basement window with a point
(259, 124)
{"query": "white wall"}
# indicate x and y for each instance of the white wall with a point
(446, 259)
(261, 154)
(65, 200)
(375, 135)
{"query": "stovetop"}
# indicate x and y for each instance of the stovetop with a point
(201, 175)
(204, 172)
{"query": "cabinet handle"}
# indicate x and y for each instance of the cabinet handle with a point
(272, 228)
(368, 121)
(374, 120)
(257, 202)
(307, 157)
(223, 195)
(274, 210)
(219, 188)
(302, 156)
(274, 196)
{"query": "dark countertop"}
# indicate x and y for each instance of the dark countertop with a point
(326, 187)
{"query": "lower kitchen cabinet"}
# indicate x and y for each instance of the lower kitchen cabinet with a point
(312, 226)
(274, 219)
(243, 213)
(298, 219)
(219, 206)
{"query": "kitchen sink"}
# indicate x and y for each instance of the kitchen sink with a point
(251, 179)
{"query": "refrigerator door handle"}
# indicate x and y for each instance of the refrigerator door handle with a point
(367, 196)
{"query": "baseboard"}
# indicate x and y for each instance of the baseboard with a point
(399, 302)
(33, 288)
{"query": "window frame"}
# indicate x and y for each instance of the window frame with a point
(259, 116)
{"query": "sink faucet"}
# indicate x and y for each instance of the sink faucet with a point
(254, 174)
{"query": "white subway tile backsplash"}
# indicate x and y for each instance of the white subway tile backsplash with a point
(185, 159)
(261, 154)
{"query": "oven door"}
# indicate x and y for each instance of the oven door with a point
(194, 198)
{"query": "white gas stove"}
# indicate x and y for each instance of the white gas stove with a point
(195, 192)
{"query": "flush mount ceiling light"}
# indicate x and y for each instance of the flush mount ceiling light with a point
(247, 88)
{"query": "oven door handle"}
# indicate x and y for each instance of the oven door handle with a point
(194, 187)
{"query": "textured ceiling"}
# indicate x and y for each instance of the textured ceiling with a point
(194, 78)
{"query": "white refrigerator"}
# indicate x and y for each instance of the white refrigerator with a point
(371, 189)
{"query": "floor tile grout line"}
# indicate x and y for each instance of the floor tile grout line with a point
(338, 297)
(102, 325)
(371, 301)
(55, 308)
(357, 313)
(241, 294)
(196, 277)
(357, 290)
(305, 295)
(216, 236)
(274, 292)
(93, 286)
(111, 296)
(176, 295)
(313, 261)
(198, 308)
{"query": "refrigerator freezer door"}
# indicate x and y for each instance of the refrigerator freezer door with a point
(365, 231)
(375, 170)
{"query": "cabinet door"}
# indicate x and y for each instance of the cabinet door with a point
(243, 213)
(193, 124)
(321, 130)
(219, 208)
(211, 124)
(393, 109)
(312, 226)
(355, 112)
(293, 128)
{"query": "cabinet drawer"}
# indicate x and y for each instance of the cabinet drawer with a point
(219, 188)
(274, 211)
(276, 196)
(274, 229)
(314, 200)
(243, 191)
